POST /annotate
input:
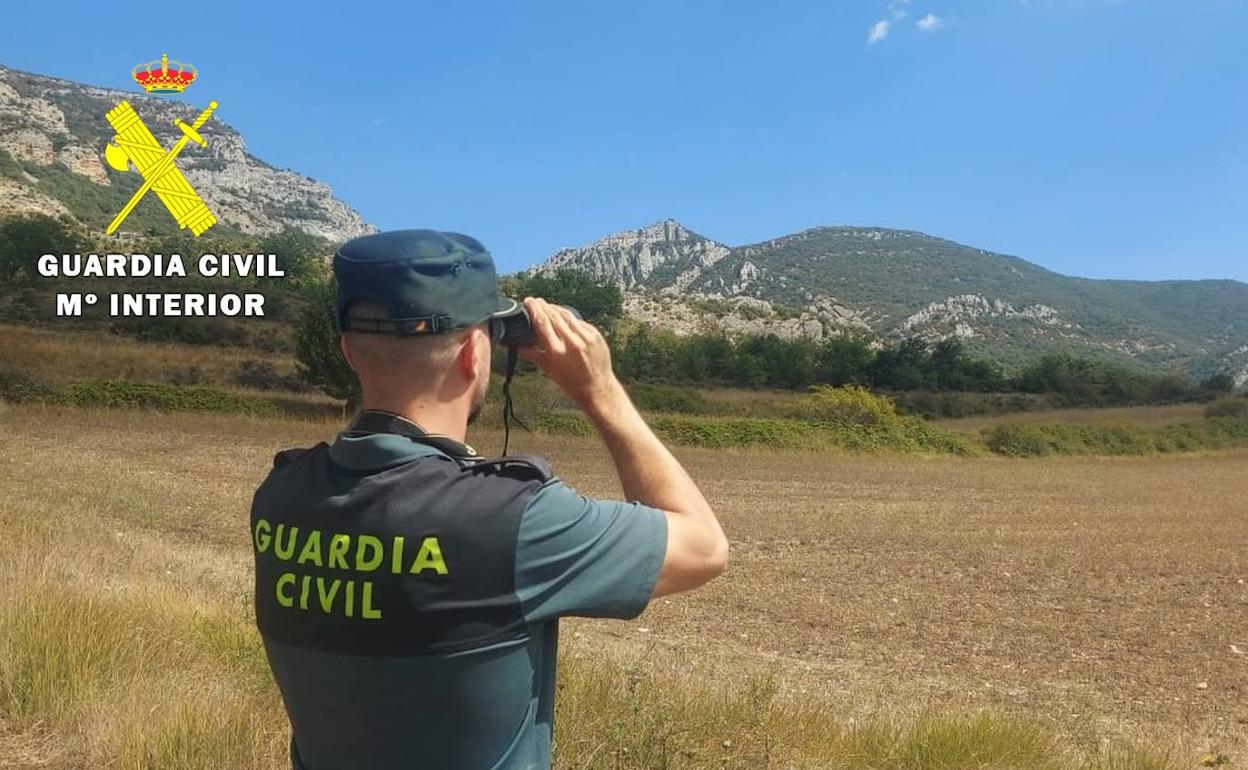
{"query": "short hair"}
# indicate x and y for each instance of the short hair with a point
(421, 359)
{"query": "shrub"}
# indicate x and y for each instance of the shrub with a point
(20, 388)
(562, 423)
(26, 238)
(721, 433)
(1014, 440)
(668, 398)
(953, 404)
(186, 330)
(1039, 440)
(114, 394)
(157, 395)
(321, 364)
(901, 434)
(850, 406)
(191, 375)
(1228, 406)
(262, 375)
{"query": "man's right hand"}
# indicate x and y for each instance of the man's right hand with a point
(573, 353)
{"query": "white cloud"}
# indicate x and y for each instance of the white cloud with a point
(897, 9)
(878, 32)
(930, 23)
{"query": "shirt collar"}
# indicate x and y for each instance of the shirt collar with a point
(377, 451)
(361, 449)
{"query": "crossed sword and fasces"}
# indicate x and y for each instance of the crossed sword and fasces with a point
(135, 144)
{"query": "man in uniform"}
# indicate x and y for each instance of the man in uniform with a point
(407, 590)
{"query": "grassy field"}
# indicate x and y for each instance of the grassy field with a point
(61, 356)
(884, 612)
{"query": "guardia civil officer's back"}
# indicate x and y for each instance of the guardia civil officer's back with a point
(407, 590)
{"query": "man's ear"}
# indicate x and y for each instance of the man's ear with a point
(475, 348)
(346, 350)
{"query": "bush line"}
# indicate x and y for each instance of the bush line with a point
(850, 418)
(1042, 440)
(121, 394)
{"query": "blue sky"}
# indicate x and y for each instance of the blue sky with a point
(1106, 138)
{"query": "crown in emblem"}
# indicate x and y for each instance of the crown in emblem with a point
(164, 76)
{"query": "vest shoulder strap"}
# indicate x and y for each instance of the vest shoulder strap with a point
(289, 455)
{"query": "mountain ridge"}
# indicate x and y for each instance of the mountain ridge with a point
(830, 280)
(52, 137)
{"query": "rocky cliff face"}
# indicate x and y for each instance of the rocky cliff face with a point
(54, 131)
(657, 264)
(831, 281)
(665, 251)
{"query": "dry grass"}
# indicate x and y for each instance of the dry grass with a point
(879, 612)
(61, 356)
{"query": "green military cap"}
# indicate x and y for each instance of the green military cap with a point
(429, 282)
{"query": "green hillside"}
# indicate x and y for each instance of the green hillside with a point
(890, 275)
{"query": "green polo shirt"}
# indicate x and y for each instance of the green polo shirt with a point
(485, 707)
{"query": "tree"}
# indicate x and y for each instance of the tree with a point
(903, 367)
(300, 255)
(316, 346)
(23, 240)
(1173, 387)
(1082, 382)
(952, 369)
(600, 304)
(1222, 382)
(843, 361)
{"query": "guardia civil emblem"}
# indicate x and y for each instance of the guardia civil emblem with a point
(135, 146)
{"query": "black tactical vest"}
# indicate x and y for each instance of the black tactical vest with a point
(414, 559)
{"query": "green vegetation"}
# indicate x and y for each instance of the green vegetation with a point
(301, 256)
(600, 304)
(669, 398)
(946, 404)
(888, 274)
(628, 719)
(316, 346)
(850, 418)
(23, 240)
(9, 168)
(18, 388)
(1228, 406)
(26, 301)
(1020, 440)
(940, 380)
(95, 205)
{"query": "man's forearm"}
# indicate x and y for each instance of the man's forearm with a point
(649, 473)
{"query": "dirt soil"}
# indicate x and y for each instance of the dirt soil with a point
(1105, 597)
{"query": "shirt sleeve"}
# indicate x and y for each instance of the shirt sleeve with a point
(592, 558)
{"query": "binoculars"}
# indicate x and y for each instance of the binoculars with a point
(516, 331)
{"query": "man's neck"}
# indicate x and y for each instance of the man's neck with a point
(441, 419)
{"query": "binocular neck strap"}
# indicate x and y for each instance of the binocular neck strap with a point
(509, 407)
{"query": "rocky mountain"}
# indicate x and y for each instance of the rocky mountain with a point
(894, 283)
(52, 137)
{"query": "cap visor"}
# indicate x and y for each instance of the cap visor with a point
(507, 307)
